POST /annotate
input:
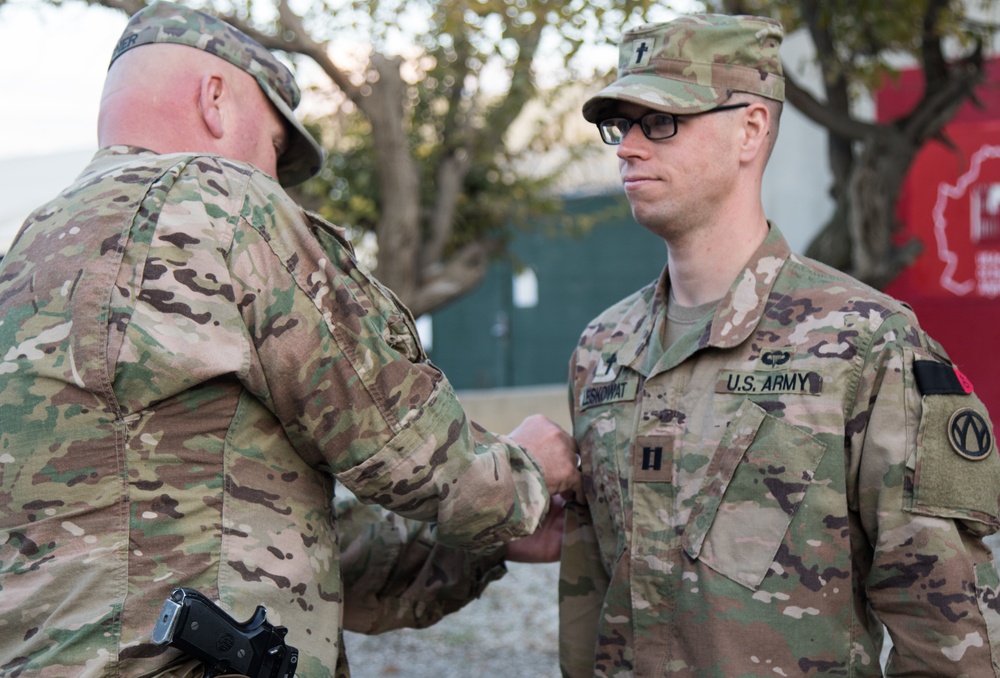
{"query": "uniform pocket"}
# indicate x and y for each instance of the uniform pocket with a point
(758, 478)
(602, 478)
(393, 319)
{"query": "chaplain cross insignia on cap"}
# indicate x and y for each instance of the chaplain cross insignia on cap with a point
(641, 50)
(694, 64)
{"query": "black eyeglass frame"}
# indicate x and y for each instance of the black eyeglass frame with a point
(646, 128)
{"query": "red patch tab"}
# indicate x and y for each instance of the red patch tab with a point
(964, 381)
(938, 378)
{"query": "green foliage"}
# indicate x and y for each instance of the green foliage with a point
(866, 37)
(859, 44)
(346, 190)
(494, 199)
(473, 68)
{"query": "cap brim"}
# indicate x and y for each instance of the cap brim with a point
(657, 93)
(303, 157)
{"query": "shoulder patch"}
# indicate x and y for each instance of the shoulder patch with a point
(957, 470)
(970, 434)
(937, 378)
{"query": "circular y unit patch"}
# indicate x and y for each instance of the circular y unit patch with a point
(970, 434)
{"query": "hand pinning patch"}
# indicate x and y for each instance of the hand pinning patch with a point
(969, 434)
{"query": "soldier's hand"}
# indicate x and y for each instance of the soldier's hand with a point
(545, 545)
(555, 451)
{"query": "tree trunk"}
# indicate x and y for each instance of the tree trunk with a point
(873, 188)
(859, 238)
(398, 227)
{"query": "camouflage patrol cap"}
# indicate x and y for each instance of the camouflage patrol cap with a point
(166, 22)
(694, 63)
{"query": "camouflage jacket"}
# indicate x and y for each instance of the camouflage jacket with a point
(187, 360)
(396, 574)
(794, 472)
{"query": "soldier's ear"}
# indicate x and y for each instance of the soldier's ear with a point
(211, 97)
(757, 125)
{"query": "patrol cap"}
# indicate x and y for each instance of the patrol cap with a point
(166, 22)
(694, 63)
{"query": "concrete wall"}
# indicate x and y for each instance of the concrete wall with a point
(501, 410)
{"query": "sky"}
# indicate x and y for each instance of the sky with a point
(52, 66)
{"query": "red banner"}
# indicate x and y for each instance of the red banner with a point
(952, 203)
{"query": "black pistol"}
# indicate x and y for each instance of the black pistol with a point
(194, 624)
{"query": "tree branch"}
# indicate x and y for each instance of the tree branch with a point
(294, 38)
(451, 173)
(454, 167)
(947, 88)
(456, 135)
(447, 281)
(932, 54)
(823, 115)
(398, 227)
(522, 85)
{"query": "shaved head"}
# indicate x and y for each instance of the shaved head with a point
(171, 98)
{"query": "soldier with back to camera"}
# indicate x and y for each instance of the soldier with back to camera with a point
(188, 360)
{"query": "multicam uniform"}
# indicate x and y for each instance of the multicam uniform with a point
(796, 469)
(396, 574)
(187, 360)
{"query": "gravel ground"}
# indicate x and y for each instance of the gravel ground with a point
(510, 632)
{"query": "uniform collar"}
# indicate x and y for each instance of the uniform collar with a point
(735, 319)
(110, 157)
(121, 150)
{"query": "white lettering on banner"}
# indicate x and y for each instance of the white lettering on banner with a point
(988, 273)
(984, 213)
(957, 191)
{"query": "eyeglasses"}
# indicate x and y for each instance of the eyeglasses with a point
(656, 126)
